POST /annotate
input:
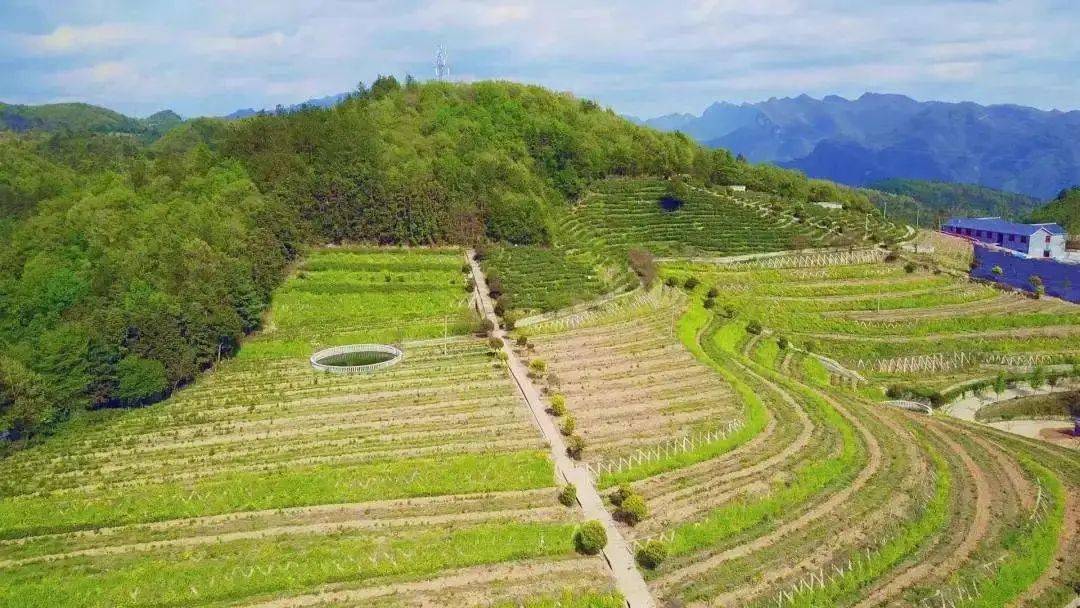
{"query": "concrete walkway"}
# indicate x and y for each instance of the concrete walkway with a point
(620, 558)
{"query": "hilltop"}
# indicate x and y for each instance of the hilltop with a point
(83, 117)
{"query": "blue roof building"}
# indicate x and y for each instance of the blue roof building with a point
(1032, 240)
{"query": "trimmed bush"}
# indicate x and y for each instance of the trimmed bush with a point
(494, 343)
(620, 494)
(632, 510)
(568, 425)
(575, 445)
(568, 495)
(652, 554)
(537, 366)
(486, 327)
(558, 404)
(590, 538)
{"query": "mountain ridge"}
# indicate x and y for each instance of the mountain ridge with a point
(885, 135)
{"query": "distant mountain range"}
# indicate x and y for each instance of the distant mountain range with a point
(876, 137)
(321, 102)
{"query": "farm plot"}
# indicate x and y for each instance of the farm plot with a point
(630, 386)
(623, 213)
(894, 326)
(342, 296)
(536, 279)
(268, 483)
(839, 502)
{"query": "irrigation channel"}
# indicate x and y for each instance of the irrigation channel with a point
(628, 578)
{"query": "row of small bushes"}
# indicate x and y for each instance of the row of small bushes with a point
(1037, 378)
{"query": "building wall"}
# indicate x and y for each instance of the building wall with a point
(1060, 279)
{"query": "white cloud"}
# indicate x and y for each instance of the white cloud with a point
(636, 55)
(74, 39)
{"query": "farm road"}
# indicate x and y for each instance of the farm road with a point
(628, 579)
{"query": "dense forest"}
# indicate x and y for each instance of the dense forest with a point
(1064, 209)
(131, 261)
(937, 201)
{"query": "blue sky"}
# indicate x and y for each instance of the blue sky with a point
(642, 58)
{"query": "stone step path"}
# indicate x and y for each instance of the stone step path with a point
(628, 579)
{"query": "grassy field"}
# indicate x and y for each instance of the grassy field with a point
(269, 483)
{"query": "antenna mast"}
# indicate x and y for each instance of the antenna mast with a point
(442, 69)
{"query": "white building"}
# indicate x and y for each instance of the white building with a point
(1032, 240)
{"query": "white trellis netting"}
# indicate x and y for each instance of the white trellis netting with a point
(396, 355)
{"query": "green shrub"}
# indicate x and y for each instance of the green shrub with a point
(996, 270)
(486, 327)
(652, 554)
(632, 510)
(568, 425)
(620, 494)
(523, 341)
(140, 380)
(712, 293)
(1038, 377)
(691, 283)
(495, 343)
(754, 327)
(537, 367)
(590, 538)
(670, 282)
(783, 342)
(910, 267)
(709, 303)
(568, 495)
(558, 404)
(575, 446)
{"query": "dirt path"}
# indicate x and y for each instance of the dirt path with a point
(628, 579)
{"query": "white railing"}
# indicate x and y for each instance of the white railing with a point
(396, 353)
(670, 447)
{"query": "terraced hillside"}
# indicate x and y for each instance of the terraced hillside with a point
(592, 239)
(269, 484)
(539, 279)
(630, 385)
(622, 213)
(825, 499)
(922, 329)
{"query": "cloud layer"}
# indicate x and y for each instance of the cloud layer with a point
(640, 57)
